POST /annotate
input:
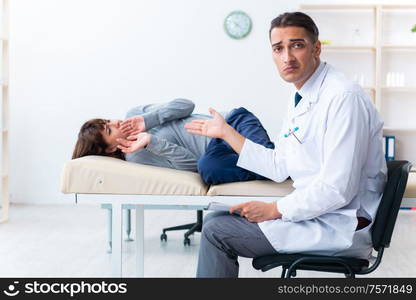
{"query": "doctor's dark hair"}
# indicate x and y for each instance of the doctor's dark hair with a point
(91, 142)
(297, 19)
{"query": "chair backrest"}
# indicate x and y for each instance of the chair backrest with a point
(398, 172)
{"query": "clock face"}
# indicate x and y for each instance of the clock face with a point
(237, 24)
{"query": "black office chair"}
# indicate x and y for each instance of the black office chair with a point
(382, 231)
(193, 227)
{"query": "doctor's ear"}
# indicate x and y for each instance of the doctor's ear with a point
(317, 48)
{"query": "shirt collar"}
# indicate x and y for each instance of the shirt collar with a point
(310, 90)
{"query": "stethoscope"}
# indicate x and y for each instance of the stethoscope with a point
(292, 132)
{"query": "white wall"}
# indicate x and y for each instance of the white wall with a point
(72, 60)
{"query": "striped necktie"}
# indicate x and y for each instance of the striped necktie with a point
(298, 97)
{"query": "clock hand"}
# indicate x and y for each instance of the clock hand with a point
(236, 24)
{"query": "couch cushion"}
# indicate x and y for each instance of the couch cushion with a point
(410, 191)
(106, 175)
(252, 188)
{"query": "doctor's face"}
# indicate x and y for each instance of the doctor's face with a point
(294, 54)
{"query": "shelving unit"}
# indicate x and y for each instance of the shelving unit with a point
(4, 82)
(372, 44)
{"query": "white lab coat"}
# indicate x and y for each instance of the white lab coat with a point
(338, 168)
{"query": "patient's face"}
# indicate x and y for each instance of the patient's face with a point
(294, 54)
(111, 133)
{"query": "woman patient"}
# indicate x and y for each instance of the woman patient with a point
(154, 135)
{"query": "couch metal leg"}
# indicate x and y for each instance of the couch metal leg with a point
(127, 223)
(117, 233)
(140, 240)
(108, 207)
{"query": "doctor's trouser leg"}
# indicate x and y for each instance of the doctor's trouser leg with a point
(219, 162)
(225, 237)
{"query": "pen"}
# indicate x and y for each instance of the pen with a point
(292, 132)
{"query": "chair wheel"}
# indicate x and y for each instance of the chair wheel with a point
(163, 237)
(186, 241)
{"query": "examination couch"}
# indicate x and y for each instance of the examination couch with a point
(124, 185)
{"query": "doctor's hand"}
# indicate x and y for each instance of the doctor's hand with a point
(215, 127)
(257, 211)
(134, 142)
(133, 126)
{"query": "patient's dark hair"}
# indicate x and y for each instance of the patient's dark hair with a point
(297, 19)
(91, 142)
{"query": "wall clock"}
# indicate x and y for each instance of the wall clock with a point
(237, 24)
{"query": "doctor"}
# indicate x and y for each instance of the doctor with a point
(330, 145)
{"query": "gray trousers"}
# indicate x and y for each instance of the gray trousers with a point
(224, 237)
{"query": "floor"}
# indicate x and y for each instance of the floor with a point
(70, 241)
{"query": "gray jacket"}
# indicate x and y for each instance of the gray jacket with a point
(171, 145)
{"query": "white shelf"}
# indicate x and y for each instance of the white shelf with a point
(402, 129)
(376, 42)
(407, 48)
(377, 49)
(399, 46)
(404, 6)
(349, 47)
(369, 48)
(399, 88)
(325, 7)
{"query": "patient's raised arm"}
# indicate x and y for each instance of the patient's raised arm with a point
(158, 114)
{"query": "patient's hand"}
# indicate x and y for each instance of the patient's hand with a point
(133, 126)
(214, 127)
(134, 142)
